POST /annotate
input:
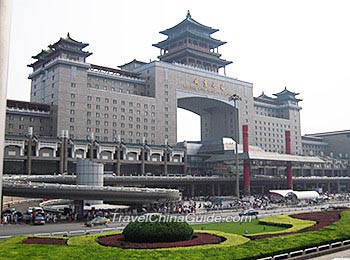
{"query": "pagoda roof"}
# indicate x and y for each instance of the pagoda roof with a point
(69, 40)
(264, 96)
(133, 62)
(204, 37)
(195, 53)
(116, 71)
(286, 94)
(189, 22)
(61, 45)
(43, 54)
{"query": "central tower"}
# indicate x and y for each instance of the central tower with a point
(190, 43)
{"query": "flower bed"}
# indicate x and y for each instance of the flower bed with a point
(198, 239)
(322, 219)
(45, 241)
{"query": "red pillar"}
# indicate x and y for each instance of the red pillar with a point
(246, 163)
(289, 164)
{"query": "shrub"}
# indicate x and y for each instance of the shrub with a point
(293, 224)
(157, 231)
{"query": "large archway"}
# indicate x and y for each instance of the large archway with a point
(217, 118)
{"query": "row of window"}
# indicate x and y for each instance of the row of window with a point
(22, 118)
(115, 101)
(22, 127)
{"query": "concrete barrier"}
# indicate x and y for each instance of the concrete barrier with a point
(42, 235)
(92, 231)
(336, 244)
(76, 233)
(106, 229)
(310, 250)
(345, 242)
(60, 234)
(295, 253)
(323, 247)
(281, 256)
(4, 237)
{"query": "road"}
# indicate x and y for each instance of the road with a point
(22, 229)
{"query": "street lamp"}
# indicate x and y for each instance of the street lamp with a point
(235, 98)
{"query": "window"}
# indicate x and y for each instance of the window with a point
(72, 104)
(89, 98)
(71, 128)
(71, 120)
(72, 112)
(98, 99)
(73, 85)
(106, 100)
(73, 71)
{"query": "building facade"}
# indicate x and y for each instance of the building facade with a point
(136, 104)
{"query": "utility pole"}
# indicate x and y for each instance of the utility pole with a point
(235, 98)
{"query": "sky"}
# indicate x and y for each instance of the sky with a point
(302, 45)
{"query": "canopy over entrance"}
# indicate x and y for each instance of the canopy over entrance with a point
(300, 195)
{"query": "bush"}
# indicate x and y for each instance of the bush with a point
(293, 224)
(157, 231)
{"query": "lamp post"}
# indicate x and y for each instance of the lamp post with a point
(235, 98)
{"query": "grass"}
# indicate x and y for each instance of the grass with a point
(253, 227)
(85, 247)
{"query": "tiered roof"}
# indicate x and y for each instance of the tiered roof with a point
(195, 31)
(66, 45)
(287, 95)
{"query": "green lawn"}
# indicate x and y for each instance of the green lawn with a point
(252, 227)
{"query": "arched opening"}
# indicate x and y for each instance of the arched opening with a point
(213, 118)
(188, 126)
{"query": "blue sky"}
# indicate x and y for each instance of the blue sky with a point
(303, 45)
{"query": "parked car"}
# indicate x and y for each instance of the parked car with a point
(270, 207)
(97, 221)
(302, 204)
(327, 207)
(39, 220)
(249, 212)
